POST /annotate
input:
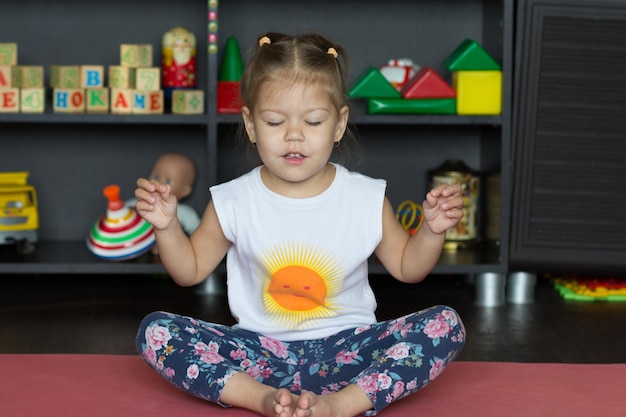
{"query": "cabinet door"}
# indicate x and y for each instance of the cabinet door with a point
(569, 149)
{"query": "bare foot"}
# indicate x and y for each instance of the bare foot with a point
(311, 405)
(280, 403)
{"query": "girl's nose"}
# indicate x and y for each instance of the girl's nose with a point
(294, 134)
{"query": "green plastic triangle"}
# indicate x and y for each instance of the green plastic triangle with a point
(232, 63)
(373, 84)
(469, 55)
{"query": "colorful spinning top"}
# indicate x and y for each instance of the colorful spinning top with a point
(121, 234)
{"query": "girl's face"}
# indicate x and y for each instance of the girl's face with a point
(295, 129)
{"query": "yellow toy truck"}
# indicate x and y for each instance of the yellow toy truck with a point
(19, 218)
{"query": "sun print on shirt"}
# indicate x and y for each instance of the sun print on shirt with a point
(300, 284)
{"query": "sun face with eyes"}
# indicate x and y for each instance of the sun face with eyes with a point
(300, 285)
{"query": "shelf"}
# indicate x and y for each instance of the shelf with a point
(74, 258)
(156, 119)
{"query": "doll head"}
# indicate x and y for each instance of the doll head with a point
(176, 170)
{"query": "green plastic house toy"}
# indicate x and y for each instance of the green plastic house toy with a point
(476, 78)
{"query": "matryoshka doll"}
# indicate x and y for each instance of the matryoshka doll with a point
(178, 60)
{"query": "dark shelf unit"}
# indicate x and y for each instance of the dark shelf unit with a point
(417, 143)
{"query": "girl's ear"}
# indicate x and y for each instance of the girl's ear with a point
(342, 123)
(249, 124)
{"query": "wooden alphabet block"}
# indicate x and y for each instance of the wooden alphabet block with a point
(148, 79)
(97, 100)
(68, 100)
(6, 76)
(121, 100)
(9, 100)
(32, 100)
(188, 102)
(8, 54)
(121, 76)
(65, 76)
(148, 102)
(28, 76)
(136, 55)
(91, 76)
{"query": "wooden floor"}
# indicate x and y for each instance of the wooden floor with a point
(100, 314)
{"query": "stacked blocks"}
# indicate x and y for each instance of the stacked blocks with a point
(228, 85)
(477, 79)
(476, 88)
(21, 87)
(135, 84)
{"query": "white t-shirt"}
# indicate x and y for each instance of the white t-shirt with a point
(297, 268)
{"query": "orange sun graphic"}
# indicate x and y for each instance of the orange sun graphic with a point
(300, 284)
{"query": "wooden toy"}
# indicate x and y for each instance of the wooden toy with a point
(65, 76)
(121, 100)
(373, 84)
(147, 102)
(188, 102)
(148, 79)
(121, 233)
(121, 76)
(399, 71)
(68, 100)
(8, 54)
(469, 55)
(411, 106)
(229, 84)
(136, 55)
(32, 100)
(28, 76)
(178, 60)
(478, 92)
(97, 100)
(9, 100)
(427, 84)
(91, 76)
(6, 76)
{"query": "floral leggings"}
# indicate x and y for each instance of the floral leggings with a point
(387, 360)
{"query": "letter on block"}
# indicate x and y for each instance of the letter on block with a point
(65, 76)
(68, 100)
(28, 76)
(121, 77)
(97, 100)
(148, 79)
(121, 101)
(32, 100)
(91, 76)
(8, 54)
(147, 102)
(6, 76)
(9, 100)
(188, 102)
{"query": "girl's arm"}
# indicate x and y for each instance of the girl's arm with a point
(411, 258)
(189, 261)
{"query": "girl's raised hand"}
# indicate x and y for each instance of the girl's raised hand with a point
(155, 203)
(443, 207)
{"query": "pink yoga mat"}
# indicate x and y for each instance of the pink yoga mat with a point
(116, 386)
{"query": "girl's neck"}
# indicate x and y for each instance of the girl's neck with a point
(311, 187)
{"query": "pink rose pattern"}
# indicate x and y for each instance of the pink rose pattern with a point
(387, 360)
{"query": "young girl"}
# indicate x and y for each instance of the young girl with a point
(298, 231)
